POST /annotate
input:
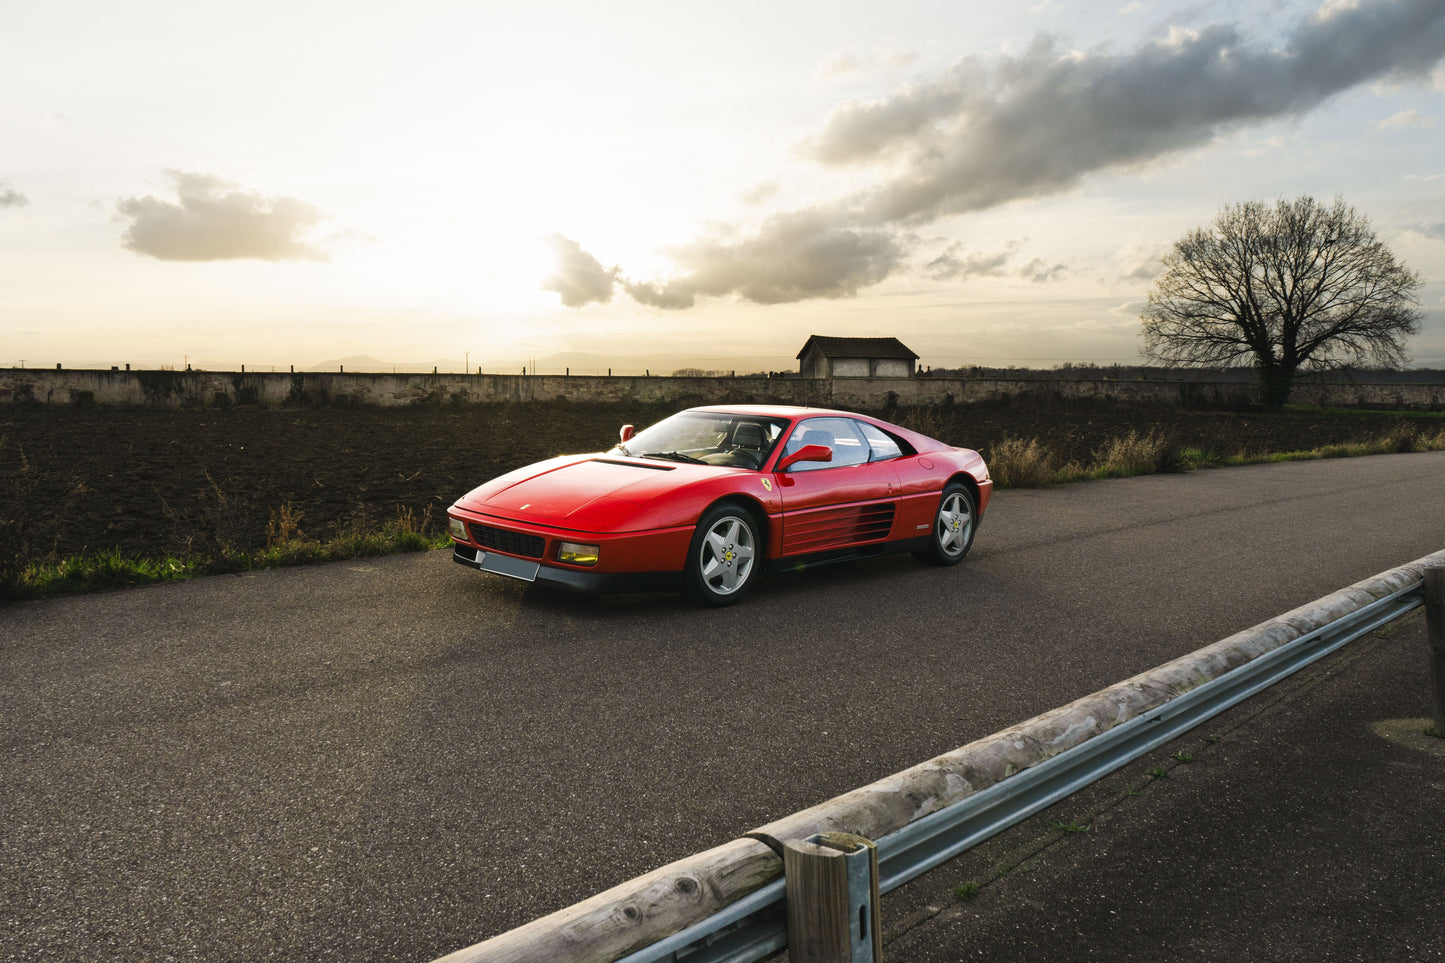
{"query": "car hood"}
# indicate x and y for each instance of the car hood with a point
(582, 491)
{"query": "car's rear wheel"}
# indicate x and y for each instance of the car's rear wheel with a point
(723, 561)
(953, 526)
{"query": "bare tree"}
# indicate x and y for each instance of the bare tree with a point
(1283, 288)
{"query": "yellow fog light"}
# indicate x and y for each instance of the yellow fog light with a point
(574, 554)
(458, 529)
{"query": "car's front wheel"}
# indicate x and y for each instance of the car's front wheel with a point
(953, 527)
(724, 557)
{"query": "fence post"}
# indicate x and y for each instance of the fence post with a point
(1434, 577)
(831, 885)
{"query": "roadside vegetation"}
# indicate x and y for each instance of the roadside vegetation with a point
(1016, 463)
(212, 551)
(69, 481)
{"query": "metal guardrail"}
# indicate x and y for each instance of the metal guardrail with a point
(1018, 772)
(756, 926)
(943, 835)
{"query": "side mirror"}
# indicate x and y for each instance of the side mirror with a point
(806, 453)
(626, 433)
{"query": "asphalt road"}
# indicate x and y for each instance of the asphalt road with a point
(391, 759)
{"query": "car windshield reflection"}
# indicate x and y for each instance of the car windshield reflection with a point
(719, 439)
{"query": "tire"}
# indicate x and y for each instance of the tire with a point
(725, 556)
(953, 526)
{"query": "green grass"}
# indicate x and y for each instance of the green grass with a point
(966, 892)
(286, 547)
(1071, 826)
(1429, 416)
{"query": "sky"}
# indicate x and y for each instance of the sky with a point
(650, 184)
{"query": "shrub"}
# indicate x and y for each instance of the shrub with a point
(1136, 454)
(1404, 439)
(284, 526)
(1015, 463)
(1194, 457)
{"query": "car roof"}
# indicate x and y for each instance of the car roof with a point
(774, 411)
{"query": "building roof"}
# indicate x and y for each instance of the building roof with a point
(858, 347)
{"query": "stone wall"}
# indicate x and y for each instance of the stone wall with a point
(177, 389)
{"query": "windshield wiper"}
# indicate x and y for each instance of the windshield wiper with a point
(674, 456)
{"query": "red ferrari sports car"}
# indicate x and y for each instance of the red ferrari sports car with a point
(708, 499)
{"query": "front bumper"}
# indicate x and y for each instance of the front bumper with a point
(596, 583)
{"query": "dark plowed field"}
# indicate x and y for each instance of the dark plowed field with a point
(160, 482)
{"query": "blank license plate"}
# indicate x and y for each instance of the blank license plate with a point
(508, 566)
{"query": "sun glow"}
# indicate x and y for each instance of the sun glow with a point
(453, 259)
(475, 234)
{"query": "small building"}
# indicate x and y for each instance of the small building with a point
(855, 358)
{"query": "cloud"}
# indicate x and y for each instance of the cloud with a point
(949, 266)
(1037, 123)
(1140, 262)
(793, 256)
(901, 124)
(1406, 119)
(760, 194)
(1040, 271)
(214, 221)
(954, 265)
(1435, 231)
(670, 296)
(10, 197)
(578, 276)
(989, 131)
(847, 62)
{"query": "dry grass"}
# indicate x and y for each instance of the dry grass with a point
(1135, 454)
(284, 526)
(1015, 463)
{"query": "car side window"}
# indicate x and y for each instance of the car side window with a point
(882, 447)
(839, 434)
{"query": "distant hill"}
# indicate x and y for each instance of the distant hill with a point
(582, 362)
(575, 362)
(362, 363)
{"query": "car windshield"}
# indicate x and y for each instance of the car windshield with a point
(708, 438)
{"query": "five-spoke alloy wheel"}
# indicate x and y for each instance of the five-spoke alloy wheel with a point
(724, 555)
(952, 527)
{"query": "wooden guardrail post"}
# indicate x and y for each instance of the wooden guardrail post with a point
(1434, 577)
(831, 882)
